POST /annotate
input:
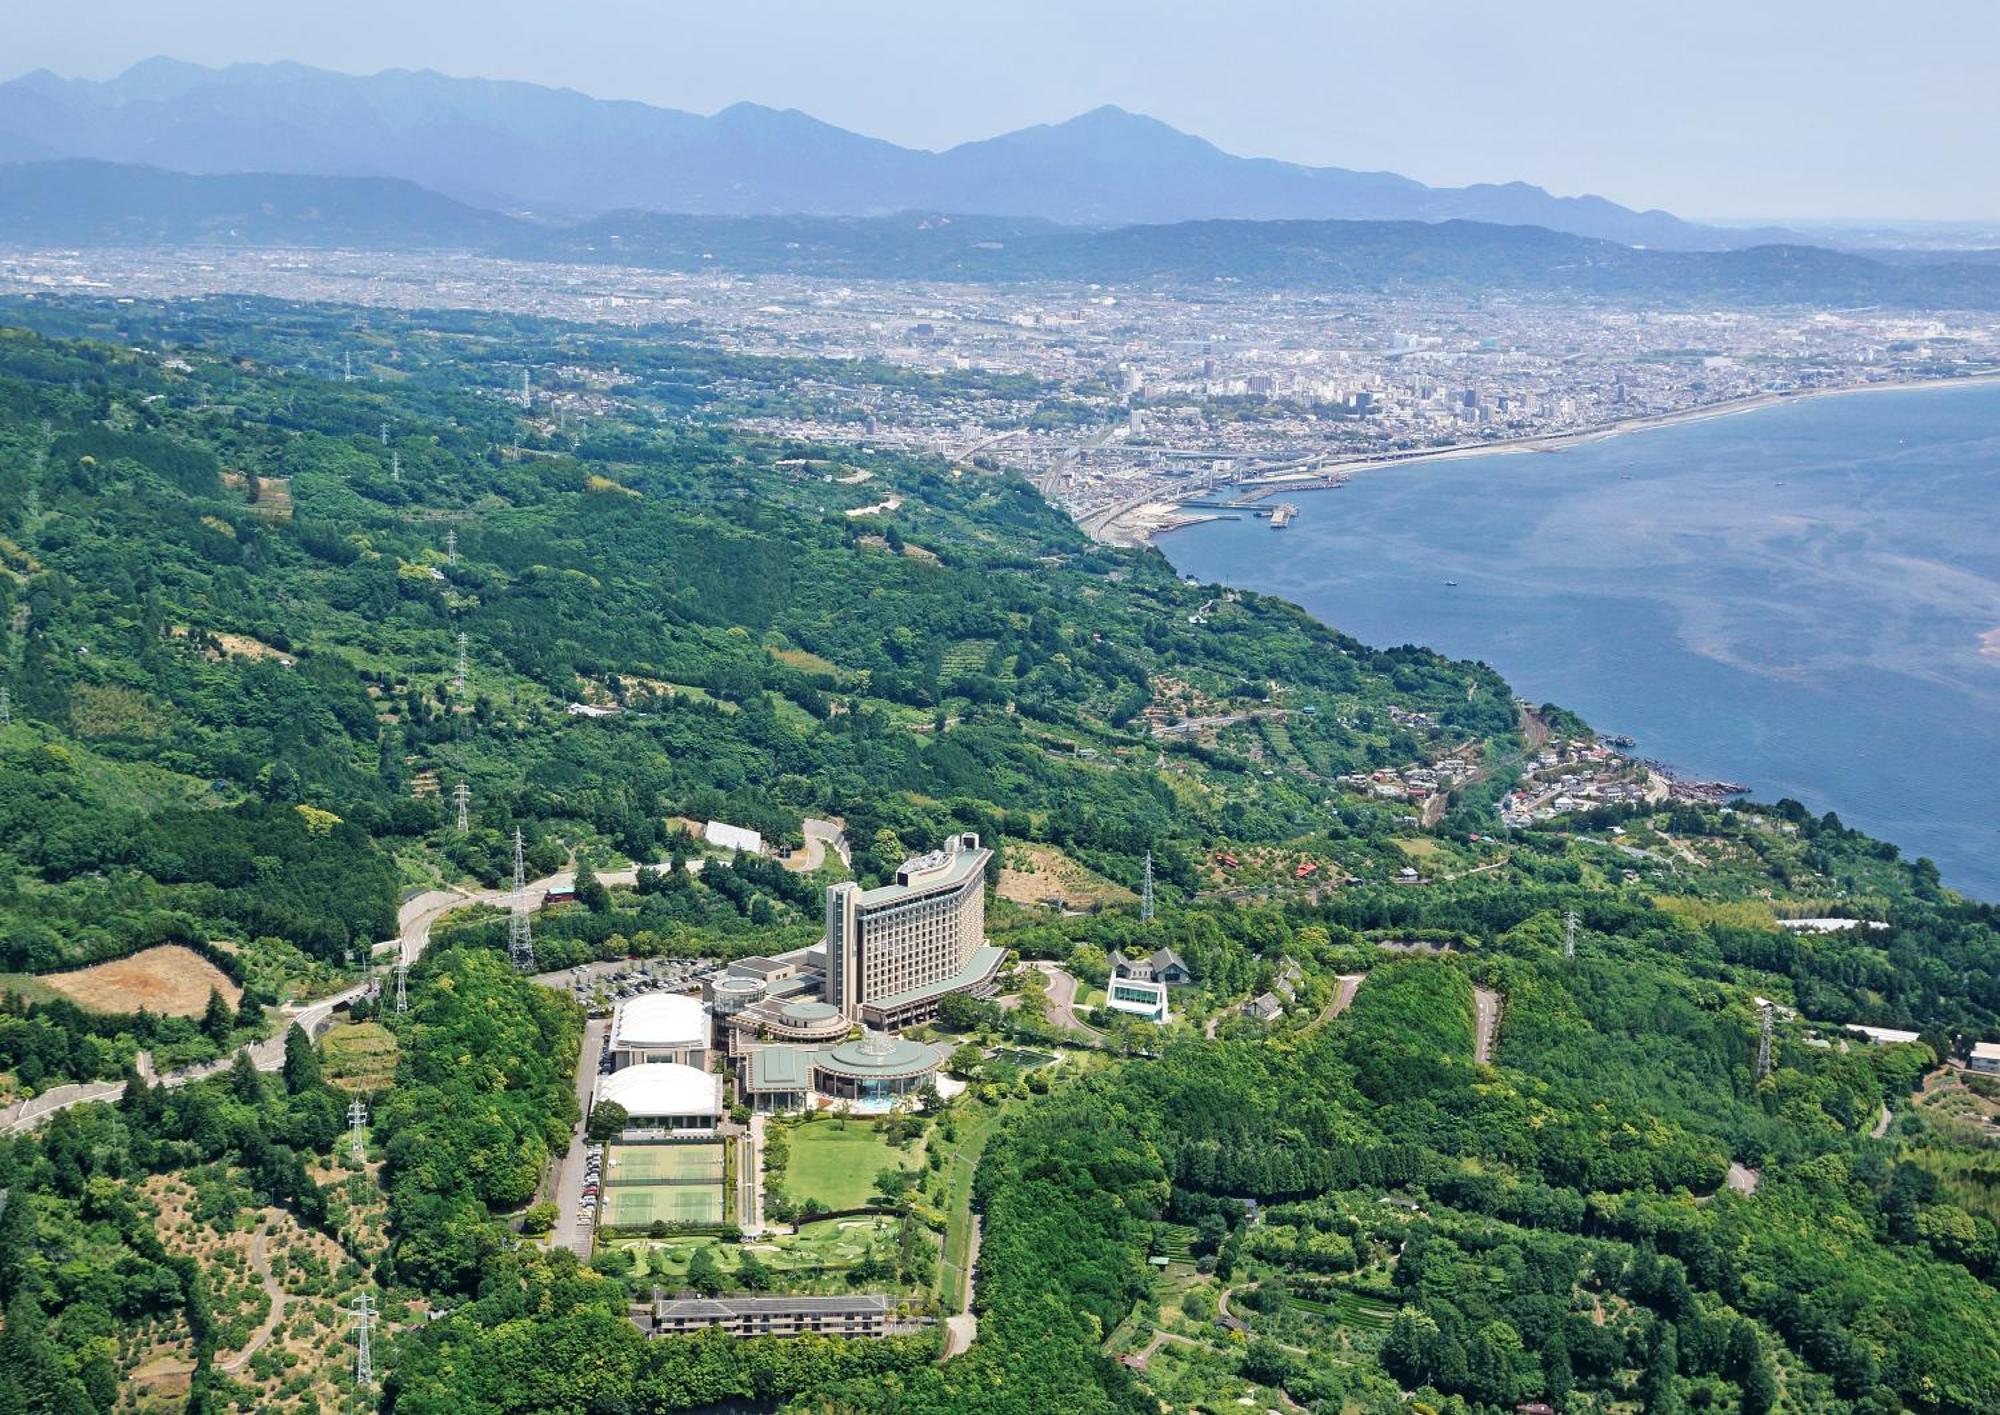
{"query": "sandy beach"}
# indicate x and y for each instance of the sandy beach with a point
(1141, 520)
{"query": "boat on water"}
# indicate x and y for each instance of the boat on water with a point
(1451, 584)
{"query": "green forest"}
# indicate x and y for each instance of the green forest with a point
(233, 585)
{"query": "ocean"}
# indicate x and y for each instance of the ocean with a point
(1803, 598)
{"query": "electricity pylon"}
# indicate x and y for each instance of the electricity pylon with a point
(364, 1355)
(520, 939)
(1569, 934)
(1764, 1041)
(402, 985)
(357, 1116)
(1146, 898)
(461, 797)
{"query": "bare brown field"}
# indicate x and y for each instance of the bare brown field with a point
(1036, 874)
(169, 979)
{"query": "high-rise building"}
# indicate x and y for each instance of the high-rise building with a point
(894, 953)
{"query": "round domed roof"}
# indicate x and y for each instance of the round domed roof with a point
(810, 1012)
(879, 1054)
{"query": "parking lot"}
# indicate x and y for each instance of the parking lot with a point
(601, 985)
(576, 1212)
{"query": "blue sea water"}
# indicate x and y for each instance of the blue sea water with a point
(1805, 598)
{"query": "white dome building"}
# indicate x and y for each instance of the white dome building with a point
(659, 1027)
(664, 1098)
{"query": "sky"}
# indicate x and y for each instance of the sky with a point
(1788, 109)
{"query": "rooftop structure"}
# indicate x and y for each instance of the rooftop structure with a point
(782, 1019)
(733, 837)
(1882, 1036)
(1985, 1056)
(862, 1314)
(659, 1026)
(1142, 997)
(893, 953)
(664, 1097)
(1162, 965)
(873, 1068)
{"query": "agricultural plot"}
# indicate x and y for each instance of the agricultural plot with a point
(360, 1057)
(1348, 1308)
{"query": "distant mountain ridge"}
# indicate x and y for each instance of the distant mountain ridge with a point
(84, 203)
(556, 152)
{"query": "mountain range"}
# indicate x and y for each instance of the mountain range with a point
(556, 153)
(88, 203)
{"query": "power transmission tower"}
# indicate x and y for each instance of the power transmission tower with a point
(451, 547)
(1764, 1040)
(402, 985)
(385, 434)
(520, 939)
(1146, 898)
(364, 1355)
(357, 1116)
(459, 682)
(461, 797)
(1569, 934)
(527, 391)
(395, 466)
(6, 707)
(347, 368)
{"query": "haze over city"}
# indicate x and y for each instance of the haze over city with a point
(1795, 110)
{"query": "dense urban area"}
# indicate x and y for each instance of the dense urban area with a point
(1139, 407)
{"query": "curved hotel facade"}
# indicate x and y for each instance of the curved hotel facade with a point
(894, 953)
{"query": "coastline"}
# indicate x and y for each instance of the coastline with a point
(1140, 521)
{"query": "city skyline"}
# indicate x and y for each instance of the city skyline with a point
(1783, 112)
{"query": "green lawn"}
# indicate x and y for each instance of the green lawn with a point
(837, 1165)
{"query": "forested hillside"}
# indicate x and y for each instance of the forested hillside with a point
(1467, 1164)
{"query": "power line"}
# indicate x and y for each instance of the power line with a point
(520, 939)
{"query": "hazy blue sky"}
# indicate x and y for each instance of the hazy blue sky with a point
(1787, 108)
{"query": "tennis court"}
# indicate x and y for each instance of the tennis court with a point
(637, 1205)
(664, 1164)
(669, 1183)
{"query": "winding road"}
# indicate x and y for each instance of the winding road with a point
(414, 921)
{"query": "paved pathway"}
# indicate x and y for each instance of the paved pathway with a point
(1882, 1122)
(1486, 1005)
